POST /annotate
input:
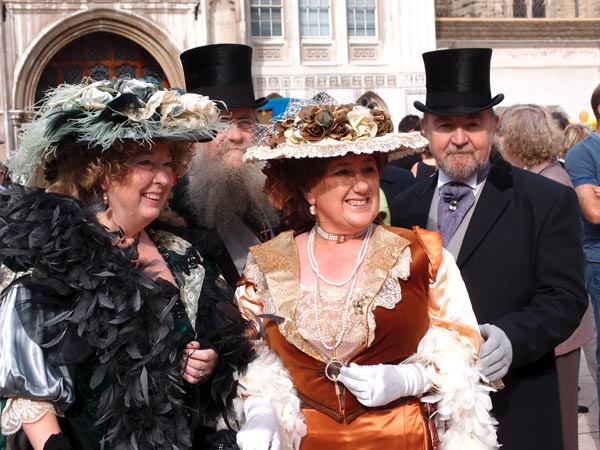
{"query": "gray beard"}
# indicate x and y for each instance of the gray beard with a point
(218, 195)
(460, 172)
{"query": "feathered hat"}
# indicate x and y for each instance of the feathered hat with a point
(99, 113)
(319, 128)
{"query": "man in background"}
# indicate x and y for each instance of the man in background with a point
(220, 192)
(583, 165)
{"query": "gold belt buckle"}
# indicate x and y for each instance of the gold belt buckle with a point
(332, 369)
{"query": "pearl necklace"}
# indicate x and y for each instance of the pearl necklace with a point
(315, 266)
(316, 292)
(339, 238)
(345, 314)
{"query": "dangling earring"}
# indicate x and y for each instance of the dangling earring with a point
(313, 210)
(105, 198)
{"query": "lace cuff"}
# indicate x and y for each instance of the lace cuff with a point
(22, 410)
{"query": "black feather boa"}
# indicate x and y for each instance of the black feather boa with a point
(220, 324)
(97, 307)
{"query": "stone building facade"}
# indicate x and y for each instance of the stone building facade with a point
(367, 51)
(545, 51)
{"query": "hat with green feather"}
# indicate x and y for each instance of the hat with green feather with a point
(96, 114)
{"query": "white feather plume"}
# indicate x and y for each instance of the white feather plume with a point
(268, 378)
(463, 405)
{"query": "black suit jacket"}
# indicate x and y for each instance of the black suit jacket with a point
(394, 180)
(522, 263)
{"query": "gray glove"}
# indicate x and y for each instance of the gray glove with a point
(495, 355)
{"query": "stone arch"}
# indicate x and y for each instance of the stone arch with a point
(139, 30)
(372, 100)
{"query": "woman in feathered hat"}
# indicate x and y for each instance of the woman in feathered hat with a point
(102, 311)
(373, 323)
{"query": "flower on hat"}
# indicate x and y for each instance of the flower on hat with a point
(362, 122)
(313, 129)
(98, 113)
(322, 123)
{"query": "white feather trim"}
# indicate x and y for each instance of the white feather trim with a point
(463, 403)
(268, 378)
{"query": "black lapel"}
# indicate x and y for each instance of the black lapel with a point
(494, 199)
(424, 193)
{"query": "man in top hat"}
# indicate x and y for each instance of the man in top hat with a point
(221, 193)
(516, 237)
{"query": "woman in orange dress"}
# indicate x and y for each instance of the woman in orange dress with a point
(373, 323)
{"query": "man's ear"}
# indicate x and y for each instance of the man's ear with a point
(423, 124)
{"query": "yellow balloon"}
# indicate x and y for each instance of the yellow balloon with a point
(593, 122)
(583, 116)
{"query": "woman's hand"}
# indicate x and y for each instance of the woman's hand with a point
(260, 430)
(197, 365)
(382, 384)
(57, 442)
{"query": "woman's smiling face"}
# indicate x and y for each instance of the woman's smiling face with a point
(137, 199)
(347, 197)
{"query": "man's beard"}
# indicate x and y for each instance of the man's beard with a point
(219, 195)
(460, 163)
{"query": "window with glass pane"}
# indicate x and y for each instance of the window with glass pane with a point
(529, 8)
(362, 17)
(314, 18)
(519, 8)
(265, 18)
(538, 8)
(98, 56)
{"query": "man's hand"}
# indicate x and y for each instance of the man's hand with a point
(495, 355)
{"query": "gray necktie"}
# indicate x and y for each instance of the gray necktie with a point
(455, 200)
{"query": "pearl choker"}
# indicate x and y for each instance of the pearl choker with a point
(339, 238)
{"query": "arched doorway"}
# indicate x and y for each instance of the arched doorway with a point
(99, 56)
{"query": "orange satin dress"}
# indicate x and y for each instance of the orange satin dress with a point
(336, 419)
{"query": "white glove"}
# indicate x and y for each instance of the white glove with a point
(260, 430)
(381, 384)
(495, 355)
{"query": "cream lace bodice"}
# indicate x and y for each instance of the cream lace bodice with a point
(331, 303)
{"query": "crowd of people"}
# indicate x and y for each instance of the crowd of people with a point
(175, 275)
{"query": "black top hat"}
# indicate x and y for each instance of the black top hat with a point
(222, 72)
(458, 82)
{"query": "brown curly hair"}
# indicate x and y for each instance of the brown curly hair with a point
(289, 179)
(531, 136)
(78, 170)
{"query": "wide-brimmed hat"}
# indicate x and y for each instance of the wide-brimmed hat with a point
(223, 72)
(326, 131)
(458, 82)
(96, 114)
